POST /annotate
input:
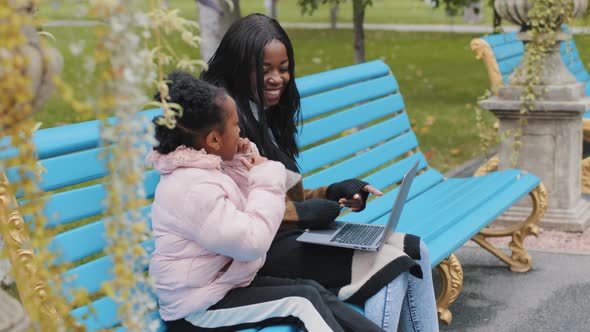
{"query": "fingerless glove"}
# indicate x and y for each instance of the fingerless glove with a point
(316, 213)
(347, 189)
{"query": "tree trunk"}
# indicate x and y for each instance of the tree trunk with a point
(333, 16)
(271, 8)
(473, 12)
(214, 25)
(358, 17)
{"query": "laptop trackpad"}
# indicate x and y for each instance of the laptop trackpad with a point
(321, 234)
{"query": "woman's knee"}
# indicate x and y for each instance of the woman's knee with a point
(311, 283)
(307, 291)
(424, 253)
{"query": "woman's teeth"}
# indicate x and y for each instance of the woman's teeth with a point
(272, 93)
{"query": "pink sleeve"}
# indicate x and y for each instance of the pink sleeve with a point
(214, 222)
(238, 172)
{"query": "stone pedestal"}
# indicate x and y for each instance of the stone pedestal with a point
(12, 315)
(551, 144)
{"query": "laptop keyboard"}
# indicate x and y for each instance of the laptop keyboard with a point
(358, 234)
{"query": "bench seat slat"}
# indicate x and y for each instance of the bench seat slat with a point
(336, 99)
(456, 208)
(318, 130)
(467, 227)
(335, 78)
(154, 315)
(364, 162)
(83, 241)
(105, 317)
(459, 206)
(426, 209)
(106, 314)
(75, 204)
(332, 151)
(458, 191)
(382, 205)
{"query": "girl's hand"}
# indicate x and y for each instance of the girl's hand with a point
(357, 202)
(244, 146)
(253, 160)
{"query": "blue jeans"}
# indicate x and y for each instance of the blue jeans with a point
(407, 302)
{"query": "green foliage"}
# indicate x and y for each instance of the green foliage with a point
(454, 7)
(310, 6)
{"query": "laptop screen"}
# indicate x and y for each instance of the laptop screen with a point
(400, 200)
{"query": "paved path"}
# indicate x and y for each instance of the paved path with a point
(553, 297)
(456, 28)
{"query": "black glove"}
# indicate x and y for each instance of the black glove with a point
(347, 189)
(316, 213)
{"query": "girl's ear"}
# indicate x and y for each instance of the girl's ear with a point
(213, 142)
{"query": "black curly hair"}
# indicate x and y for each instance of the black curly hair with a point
(241, 53)
(200, 102)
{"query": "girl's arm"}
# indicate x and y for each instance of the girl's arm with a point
(237, 171)
(215, 222)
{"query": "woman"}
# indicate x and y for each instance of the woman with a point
(255, 64)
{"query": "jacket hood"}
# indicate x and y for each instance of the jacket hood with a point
(182, 157)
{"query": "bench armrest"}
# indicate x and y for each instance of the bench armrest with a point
(484, 52)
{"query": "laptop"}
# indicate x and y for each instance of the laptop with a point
(363, 236)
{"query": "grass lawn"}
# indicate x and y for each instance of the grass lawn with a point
(438, 75)
(382, 11)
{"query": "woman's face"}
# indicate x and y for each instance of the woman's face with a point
(276, 72)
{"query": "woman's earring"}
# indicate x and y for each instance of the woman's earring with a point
(217, 147)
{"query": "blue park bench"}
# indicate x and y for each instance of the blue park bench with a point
(355, 126)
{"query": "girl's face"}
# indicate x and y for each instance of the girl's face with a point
(231, 133)
(276, 72)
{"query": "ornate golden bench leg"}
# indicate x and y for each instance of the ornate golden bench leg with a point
(451, 274)
(586, 175)
(32, 290)
(520, 261)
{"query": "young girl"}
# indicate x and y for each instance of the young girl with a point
(255, 63)
(216, 210)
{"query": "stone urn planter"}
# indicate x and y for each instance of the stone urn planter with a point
(516, 11)
(552, 69)
(550, 125)
(42, 64)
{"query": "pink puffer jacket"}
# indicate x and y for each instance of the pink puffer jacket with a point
(213, 223)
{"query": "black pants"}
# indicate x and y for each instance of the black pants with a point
(270, 301)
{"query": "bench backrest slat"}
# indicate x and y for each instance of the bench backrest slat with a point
(332, 151)
(320, 82)
(315, 131)
(93, 274)
(363, 162)
(346, 96)
(86, 240)
(85, 202)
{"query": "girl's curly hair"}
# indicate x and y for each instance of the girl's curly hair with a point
(201, 112)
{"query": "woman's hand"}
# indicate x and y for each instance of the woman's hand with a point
(357, 202)
(252, 160)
